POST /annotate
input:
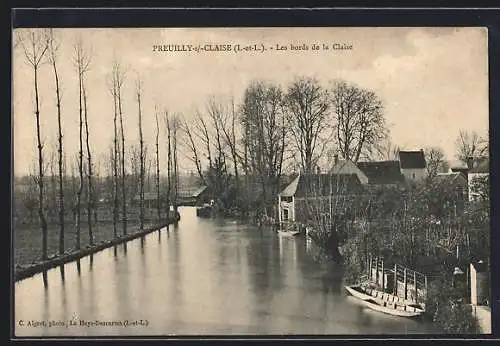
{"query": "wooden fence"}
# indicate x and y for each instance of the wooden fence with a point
(399, 280)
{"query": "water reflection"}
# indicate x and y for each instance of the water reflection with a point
(61, 270)
(203, 277)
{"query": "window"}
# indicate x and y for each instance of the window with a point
(413, 175)
(286, 199)
(285, 215)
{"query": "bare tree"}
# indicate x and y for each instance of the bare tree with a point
(142, 156)
(224, 120)
(157, 180)
(359, 121)
(435, 160)
(90, 187)
(306, 106)
(192, 151)
(470, 146)
(120, 78)
(388, 151)
(264, 136)
(175, 136)
(35, 44)
(218, 168)
(53, 54)
(82, 63)
(116, 82)
(169, 160)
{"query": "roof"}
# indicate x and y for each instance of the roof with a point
(323, 185)
(412, 159)
(449, 178)
(382, 172)
(290, 190)
(192, 192)
(349, 167)
(482, 167)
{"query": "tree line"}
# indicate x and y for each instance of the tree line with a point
(240, 150)
(125, 171)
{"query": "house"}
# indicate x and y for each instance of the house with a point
(382, 172)
(478, 179)
(295, 200)
(413, 165)
(194, 195)
(348, 167)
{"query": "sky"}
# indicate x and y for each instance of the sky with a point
(433, 81)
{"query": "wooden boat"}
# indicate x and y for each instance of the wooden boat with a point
(385, 302)
(289, 233)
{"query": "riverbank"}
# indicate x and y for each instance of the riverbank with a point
(27, 244)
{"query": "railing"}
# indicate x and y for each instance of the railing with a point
(406, 283)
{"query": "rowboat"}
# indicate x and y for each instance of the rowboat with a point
(385, 302)
(289, 233)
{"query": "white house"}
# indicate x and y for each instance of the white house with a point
(413, 165)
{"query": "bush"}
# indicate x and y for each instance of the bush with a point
(447, 308)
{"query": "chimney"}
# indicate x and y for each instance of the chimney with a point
(470, 162)
(336, 158)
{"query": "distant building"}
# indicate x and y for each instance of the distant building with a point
(193, 196)
(382, 172)
(413, 165)
(293, 200)
(348, 167)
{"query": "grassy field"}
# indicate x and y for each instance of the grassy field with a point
(28, 239)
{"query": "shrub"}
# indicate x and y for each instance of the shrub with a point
(446, 307)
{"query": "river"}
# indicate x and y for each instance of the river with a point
(203, 277)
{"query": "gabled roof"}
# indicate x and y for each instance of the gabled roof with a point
(412, 159)
(290, 190)
(382, 172)
(482, 167)
(323, 185)
(349, 167)
(199, 191)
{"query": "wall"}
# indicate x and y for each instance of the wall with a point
(420, 173)
(483, 315)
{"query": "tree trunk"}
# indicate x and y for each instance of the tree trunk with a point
(80, 163)
(158, 205)
(60, 161)
(142, 163)
(176, 177)
(124, 173)
(169, 164)
(90, 200)
(41, 213)
(115, 160)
